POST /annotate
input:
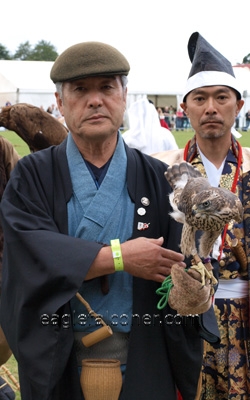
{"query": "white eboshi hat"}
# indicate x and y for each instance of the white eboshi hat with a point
(209, 67)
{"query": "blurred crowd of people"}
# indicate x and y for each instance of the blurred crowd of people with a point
(54, 111)
(173, 119)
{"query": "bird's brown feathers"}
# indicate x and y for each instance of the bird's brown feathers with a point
(36, 127)
(199, 206)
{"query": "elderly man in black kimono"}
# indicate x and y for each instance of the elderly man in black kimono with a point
(61, 210)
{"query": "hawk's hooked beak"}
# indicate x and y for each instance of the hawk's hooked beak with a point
(194, 210)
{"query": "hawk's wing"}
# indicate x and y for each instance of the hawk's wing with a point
(185, 181)
(36, 127)
(182, 172)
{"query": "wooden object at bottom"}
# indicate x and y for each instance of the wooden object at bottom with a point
(101, 379)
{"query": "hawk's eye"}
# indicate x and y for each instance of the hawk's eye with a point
(206, 203)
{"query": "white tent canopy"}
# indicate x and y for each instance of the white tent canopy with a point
(26, 82)
(29, 82)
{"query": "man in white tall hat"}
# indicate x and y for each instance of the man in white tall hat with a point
(212, 100)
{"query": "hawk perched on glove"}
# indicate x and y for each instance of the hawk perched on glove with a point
(199, 206)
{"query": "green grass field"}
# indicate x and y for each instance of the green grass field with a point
(20, 146)
(181, 138)
(12, 367)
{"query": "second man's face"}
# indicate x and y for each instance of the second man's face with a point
(212, 110)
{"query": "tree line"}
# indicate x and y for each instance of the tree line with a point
(41, 51)
(45, 51)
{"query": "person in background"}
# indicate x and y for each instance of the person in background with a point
(145, 132)
(167, 116)
(185, 124)
(55, 111)
(8, 159)
(172, 116)
(179, 120)
(161, 116)
(237, 122)
(91, 215)
(247, 117)
(212, 100)
(50, 110)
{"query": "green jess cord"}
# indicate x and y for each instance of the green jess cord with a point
(164, 292)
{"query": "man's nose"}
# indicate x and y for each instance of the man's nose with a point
(95, 100)
(210, 106)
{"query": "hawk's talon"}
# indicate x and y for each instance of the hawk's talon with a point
(200, 267)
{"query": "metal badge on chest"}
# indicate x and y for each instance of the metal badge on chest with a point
(141, 226)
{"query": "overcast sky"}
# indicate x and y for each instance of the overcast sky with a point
(149, 33)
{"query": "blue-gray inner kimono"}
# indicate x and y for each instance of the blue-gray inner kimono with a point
(101, 214)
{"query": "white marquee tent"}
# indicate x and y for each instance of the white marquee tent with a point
(29, 82)
(26, 82)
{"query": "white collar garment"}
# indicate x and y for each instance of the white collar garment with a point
(213, 173)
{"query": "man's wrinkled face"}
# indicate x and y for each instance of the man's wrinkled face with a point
(93, 107)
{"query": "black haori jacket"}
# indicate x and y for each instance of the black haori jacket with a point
(44, 268)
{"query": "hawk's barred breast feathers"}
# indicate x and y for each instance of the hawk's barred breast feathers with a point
(199, 206)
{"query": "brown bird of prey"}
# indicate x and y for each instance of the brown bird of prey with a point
(36, 127)
(199, 206)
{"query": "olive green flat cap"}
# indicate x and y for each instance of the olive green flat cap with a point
(88, 59)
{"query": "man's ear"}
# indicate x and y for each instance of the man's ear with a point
(184, 107)
(59, 103)
(240, 104)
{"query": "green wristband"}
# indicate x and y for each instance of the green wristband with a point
(117, 254)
